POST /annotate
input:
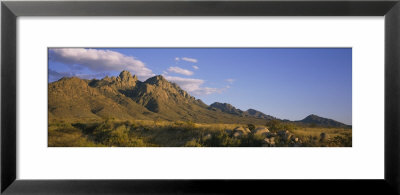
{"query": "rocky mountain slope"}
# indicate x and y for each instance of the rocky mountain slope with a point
(125, 97)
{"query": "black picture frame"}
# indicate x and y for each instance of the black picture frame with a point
(11, 10)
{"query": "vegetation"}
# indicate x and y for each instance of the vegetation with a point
(276, 125)
(251, 127)
(150, 133)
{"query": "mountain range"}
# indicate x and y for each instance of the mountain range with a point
(125, 97)
(227, 108)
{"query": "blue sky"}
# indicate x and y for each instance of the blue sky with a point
(288, 83)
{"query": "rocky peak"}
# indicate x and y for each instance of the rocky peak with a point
(159, 82)
(225, 107)
(106, 78)
(124, 80)
(313, 117)
(126, 76)
(70, 83)
(156, 80)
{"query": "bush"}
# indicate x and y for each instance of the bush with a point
(339, 141)
(193, 143)
(251, 127)
(68, 136)
(251, 140)
(183, 134)
(276, 125)
(221, 139)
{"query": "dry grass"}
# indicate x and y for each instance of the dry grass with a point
(316, 131)
(148, 133)
(65, 135)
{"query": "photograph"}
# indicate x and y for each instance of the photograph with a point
(199, 97)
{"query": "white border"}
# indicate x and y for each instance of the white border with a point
(365, 160)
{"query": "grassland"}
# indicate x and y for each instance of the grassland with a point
(147, 133)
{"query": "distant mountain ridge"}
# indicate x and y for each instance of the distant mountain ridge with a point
(228, 108)
(320, 121)
(258, 114)
(125, 97)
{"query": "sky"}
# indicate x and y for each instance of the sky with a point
(288, 83)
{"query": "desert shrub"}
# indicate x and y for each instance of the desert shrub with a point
(310, 141)
(340, 141)
(179, 123)
(118, 137)
(145, 133)
(190, 125)
(102, 135)
(138, 142)
(251, 140)
(127, 123)
(68, 136)
(273, 125)
(251, 127)
(86, 128)
(192, 143)
(132, 127)
(222, 139)
(276, 125)
(184, 125)
(227, 141)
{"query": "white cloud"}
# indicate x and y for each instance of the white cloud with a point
(230, 80)
(186, 59)
(208, 91)
(189, 59)
(99, 60)
(193, 86)
(195, 67)
(178, 70)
